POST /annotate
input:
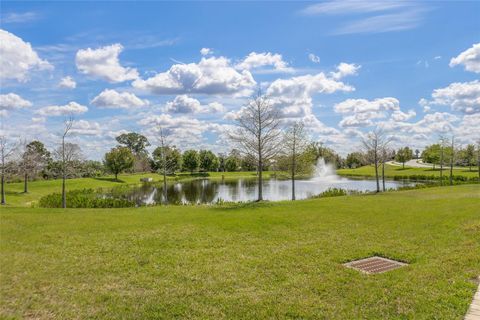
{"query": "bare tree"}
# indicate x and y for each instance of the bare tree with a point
(295, 143)
(31, 160)
(443, 141)
(452, 158)
(6, 150)
(65, 154)
(257, 134)
(374, 143)
(162, 136)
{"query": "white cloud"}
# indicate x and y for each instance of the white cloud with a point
(345, 69)
(17, 58)
(104, 63)
(403, 116)
(461, 96)
(12, 101)
(314, 58)
(363, 105)
(361, 112)
(67, 82)
(206, 51)
(293, 96)
(209, 76)
(83, 127)
(112, 99)
(13, 17)
(257, 60)
(71, 108)
(470, 58)
(186, 104)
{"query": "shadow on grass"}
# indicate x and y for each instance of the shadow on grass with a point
(109, 179)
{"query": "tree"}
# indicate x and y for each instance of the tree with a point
(6, 150)
(136, 142)
(295, 143)
(67, 126)
(355, 160)
(208, 161)
(431, 154)
(452, 158)
(374, 143)
(33, 158)
(190, 160)
(257, 133)
(221, 162)
(118, 160)
(417, 152)
(329, 155)
(403, 155)
(469, 156)
(231, 164)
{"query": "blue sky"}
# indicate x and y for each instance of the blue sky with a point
(342, 67)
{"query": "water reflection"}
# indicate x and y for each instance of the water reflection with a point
(210, 191)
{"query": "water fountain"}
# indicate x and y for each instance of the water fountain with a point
(325, 172)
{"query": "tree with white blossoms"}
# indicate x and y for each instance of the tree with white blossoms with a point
(258, 134)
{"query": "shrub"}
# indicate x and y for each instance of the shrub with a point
(86, 198)
(332, 192)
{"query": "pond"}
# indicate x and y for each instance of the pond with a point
(205, 191)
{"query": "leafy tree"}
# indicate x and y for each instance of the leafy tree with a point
(173, 159)
(118, 160)
(136, 142)
(221, 162)
(232, 163)
(403, 155)
(208, 161)
(329, 155)
(33, 158)
(190, 160)
(355, 160)
(431, 154)
(469, 156)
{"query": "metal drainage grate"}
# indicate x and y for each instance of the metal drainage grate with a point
(374, 265)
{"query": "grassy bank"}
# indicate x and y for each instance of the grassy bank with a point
(270, 260)
(39, 188)
(396, 171)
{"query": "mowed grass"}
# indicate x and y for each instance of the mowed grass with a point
(37, 189)
(391, 171)
(255, 261)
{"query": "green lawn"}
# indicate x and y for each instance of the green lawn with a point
(391, 171)
(37, 189)
(256, 261)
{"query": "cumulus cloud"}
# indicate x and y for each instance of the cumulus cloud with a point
(186, 104)
(104, 63)
(257, 60)
(67, 82)
(71, 108)
(210, 76)
(17, 58)
(109, 98)
(293, 96)
(361, 112)
(403, 116)
(12, 101)
(83, 127)
(470, 58)
(206, 51)
(345, 69)
(313, 58)
(461, 96)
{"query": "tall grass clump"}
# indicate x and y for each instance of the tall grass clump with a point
(86, 198)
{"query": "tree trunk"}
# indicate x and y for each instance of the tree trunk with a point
(383, 176)
(376, 171)
(165, 196)
(293, 179)
(403, 165)
(260, 180)
(451, 162)
(25, 183)
(64, 194)
(3, 188)
(116, 176)
(441, 167)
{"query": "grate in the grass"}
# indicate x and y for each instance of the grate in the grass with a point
(374, 265)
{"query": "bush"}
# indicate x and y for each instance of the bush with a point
(86, 198)
(332, 192)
